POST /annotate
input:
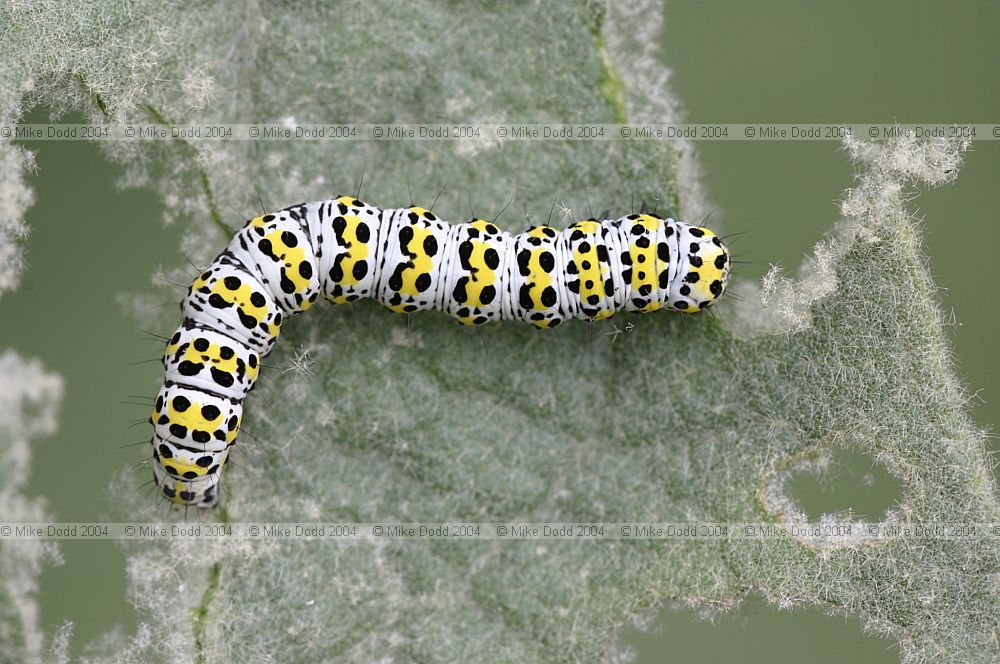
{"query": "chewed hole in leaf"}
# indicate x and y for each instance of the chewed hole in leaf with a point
(844, 480)
(758, 632)
(825, 495)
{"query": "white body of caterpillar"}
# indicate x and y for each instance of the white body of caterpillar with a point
(343, 249)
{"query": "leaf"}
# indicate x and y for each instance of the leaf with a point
(29, 400)
(679, 419)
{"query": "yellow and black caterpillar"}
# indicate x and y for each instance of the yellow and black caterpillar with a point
(343, 249)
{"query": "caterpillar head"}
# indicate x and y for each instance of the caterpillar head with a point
(702, 269)
(192, 433)
(201, 492)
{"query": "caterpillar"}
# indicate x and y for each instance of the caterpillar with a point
(408, 259)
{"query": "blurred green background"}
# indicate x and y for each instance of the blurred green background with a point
(732, 62)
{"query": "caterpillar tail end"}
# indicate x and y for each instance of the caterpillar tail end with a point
(702, 272)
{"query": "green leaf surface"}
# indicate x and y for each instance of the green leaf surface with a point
(29, 401)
